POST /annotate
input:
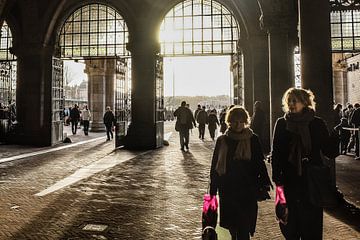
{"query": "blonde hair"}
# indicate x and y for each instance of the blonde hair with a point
(304, 96)
(237, 112)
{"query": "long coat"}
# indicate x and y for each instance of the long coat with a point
(305, 219)
(283, 171)
(184, 118)
(237, 187)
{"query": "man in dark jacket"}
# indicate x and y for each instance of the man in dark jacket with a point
(74, 118)
(258, 121)
(355, 120)
(202, 119)
(109, 120)
(184, 120)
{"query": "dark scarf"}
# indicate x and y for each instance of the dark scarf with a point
(300, 145)
(243, 148)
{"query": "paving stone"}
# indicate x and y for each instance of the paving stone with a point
(153, 196)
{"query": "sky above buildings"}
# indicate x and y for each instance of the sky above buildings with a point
(183, 76)
(197, 76)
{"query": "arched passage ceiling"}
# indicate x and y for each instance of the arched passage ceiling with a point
(139, 12)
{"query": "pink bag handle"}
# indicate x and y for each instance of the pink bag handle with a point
(210, 202)
(280, 196)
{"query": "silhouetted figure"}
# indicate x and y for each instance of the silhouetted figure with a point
(213, 123)
(197, 111)
(336, 114)
(355, 120)
(223, 125)
(258, 121)
(109, 121)
(85, 116)
(299, 138)
(202, 119)
(237, 170)
(184, 122)
(344, 134)
(74, 118)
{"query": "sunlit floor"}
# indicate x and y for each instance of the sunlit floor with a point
(120, 194)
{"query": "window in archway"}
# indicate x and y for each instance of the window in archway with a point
(345, 25)
(93, 30)
(198, 27)
(6, 43)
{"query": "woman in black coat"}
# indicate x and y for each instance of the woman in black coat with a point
(237, 171)
(298, 139)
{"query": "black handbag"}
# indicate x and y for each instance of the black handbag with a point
(209, 218)
(320, 190)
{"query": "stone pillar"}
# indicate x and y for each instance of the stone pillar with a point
(260, 81)
(315, 49)
(142, 130)
(248, 83)
(280, 21)
(33, 95)
(110, 75)
(95, 69)
(281, 72)
(340, 81)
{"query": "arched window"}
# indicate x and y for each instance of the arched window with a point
(93, 30)
(6, 43)
(198, 27)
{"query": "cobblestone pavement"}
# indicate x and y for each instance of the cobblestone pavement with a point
(13, 150)
(150, 195)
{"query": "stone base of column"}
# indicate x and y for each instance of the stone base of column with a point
(141, 137)
(97, 127)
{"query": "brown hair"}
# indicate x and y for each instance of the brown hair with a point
(237, 112)
(304, 96)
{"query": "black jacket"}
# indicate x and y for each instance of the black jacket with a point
(238, 186)
(109, 118)
(283, 172)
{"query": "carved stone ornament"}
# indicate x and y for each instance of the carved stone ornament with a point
(338, 5)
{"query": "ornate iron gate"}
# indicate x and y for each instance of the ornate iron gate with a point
(7, 97)
(58, 100)
(7, 82)
(159, 104)
(122, 99)
(238, 84)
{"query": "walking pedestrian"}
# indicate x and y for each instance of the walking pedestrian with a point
(299, 139)
(355, 121)
(213, 122)
(223, 125)
(184, 122)
(237, 170)
(202, 119)
(74, 118)
(258, 121)
(85, 116)
(109, 121)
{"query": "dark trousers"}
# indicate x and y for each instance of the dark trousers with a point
(86, 126)
(184, 136)
(109, 131)
(357, 144)
(201, 130)
(212, 132)
(305, 222)
(239, 235)
(74, 126)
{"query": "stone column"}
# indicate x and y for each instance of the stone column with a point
(260, 80)
(142, 130)
(280, 21)
(110, 75)
(33, 95)
(315, 48)
(281, 71)
(95, 69)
